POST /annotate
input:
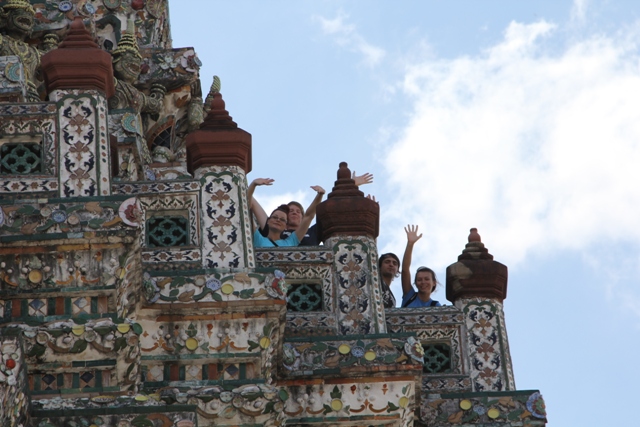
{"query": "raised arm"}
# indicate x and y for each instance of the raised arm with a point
(305, 222)
(258, 211)
(412, 238)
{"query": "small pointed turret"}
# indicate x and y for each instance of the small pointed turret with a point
(346, 210)
(476, 274)
(78, 63)
(219, 141)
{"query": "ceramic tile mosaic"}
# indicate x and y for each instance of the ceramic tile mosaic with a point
(129, 282)
(13, 87)
(203, 288)
(155, 187)
(36, 108)
(359, 302)
(40, 129)
(489, 358)
(358, 397)
(14, 400)
(19, 186)
(301, 357)
(240, 338)
(226, 222)
(507, 409)
(83, 143)
(165, 206)
(310, 323)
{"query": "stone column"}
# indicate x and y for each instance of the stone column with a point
(477, 285)
(79, 78)
(348, 224)
(219, 154)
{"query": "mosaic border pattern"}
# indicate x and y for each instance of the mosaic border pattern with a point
(226, 220)
(489, 358)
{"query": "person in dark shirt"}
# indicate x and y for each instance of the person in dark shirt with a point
(389, 265)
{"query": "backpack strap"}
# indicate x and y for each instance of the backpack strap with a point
(433, 303)
(410, 300)
(274, 243)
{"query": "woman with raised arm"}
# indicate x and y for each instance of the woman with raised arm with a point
(277, 222)
(425, 279)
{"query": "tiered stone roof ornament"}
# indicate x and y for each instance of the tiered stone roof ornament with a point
(219, 141)
(78, 63)
(346, 211)
(476, 274)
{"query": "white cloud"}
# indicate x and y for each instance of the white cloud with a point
(540, 151)
(347, 36)
(579, 10)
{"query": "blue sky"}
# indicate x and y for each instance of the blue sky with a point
(518, 118)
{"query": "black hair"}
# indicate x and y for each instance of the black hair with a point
(387, 255)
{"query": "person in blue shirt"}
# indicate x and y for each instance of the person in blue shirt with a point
(425, 279)
(278, 220)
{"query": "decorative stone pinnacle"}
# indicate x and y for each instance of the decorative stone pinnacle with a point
(78, 63)
(345, 186)
(476, 274)
(219, 141)
(346, 210)
(218, 117)
(475, 248)
(78, 36)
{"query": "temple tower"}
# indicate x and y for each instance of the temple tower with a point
(219, 155)
(348, 224)
(477, 285)
(79, 79)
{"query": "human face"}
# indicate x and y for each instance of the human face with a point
(425, 283)
(389, 267)
(295, 216)
(278, 221)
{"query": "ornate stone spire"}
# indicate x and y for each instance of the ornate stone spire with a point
(346, 210)
(219, 141)
(476, 274)
(78, 63)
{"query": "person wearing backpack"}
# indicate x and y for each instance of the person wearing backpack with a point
(425, 279)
